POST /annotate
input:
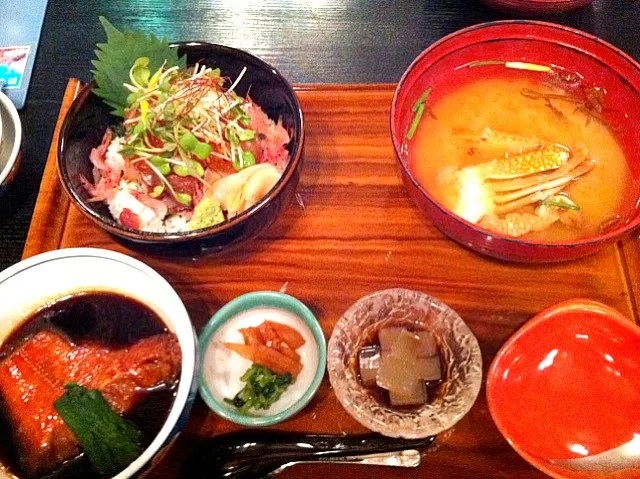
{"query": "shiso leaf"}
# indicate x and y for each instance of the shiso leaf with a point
(116, 57)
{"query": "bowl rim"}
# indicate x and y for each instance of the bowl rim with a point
(113, 227)
(603, 238)
(186, 388)
(545, 316)
(247, 302)
(11, 110)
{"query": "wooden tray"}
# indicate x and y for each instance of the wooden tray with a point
(353, 232)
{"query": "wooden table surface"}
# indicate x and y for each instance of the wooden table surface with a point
(356, 231)
(309, 41)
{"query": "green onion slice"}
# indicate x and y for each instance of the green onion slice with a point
(559, 204)
(415, 122)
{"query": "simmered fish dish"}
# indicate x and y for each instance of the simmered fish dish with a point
(88, 367)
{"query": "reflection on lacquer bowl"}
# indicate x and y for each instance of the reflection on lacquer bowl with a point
(537, 6)
(105, 322)
(518, 139)
(565, 386)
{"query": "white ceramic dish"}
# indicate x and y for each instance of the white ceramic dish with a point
(10, 140)
(34, 282)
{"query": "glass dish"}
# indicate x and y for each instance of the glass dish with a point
(460, 350)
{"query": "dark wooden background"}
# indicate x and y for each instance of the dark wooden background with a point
(309, 41)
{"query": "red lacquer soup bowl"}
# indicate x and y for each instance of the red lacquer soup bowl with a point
(566, 386)
(537, 7)
(444, 66)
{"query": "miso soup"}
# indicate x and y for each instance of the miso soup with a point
(522, 157)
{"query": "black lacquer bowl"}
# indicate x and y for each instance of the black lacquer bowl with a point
(89, 117)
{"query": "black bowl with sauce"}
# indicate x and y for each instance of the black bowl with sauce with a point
(89, 117)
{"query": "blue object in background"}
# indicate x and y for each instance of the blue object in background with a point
(20, 26)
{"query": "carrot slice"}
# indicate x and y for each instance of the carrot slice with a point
(286, 350)
(251, 336)
(289, 335)
(268, 333)
(267, 357)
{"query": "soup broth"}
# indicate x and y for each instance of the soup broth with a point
(451, 138)
(91, 332)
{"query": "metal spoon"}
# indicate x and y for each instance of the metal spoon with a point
(252, 454)
(622, 457)
(408, 458)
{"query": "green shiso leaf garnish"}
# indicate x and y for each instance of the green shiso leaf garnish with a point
(116, 57)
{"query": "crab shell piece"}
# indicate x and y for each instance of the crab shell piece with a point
(543, 159)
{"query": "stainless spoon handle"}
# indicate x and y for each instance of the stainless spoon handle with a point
(408, 458)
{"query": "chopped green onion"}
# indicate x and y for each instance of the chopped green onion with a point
(421, 100)
(139, 128)
(188, 142)
(248, 159)
(195, 168)
(139, 71)
(132, 98)
(161, 163)
(559, 204)
(157, 191)
(246, 135)
(164, 86)
(414, 123)
(215, 73)
(183, 198)
(231, 134)
(202, 150)
(181, 170)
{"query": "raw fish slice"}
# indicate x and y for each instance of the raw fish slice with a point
(267, 357)
(43, 440)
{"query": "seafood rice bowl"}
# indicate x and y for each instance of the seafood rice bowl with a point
(190, 154)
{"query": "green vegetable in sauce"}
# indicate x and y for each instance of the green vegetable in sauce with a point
(110, 442)
(263, 388)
